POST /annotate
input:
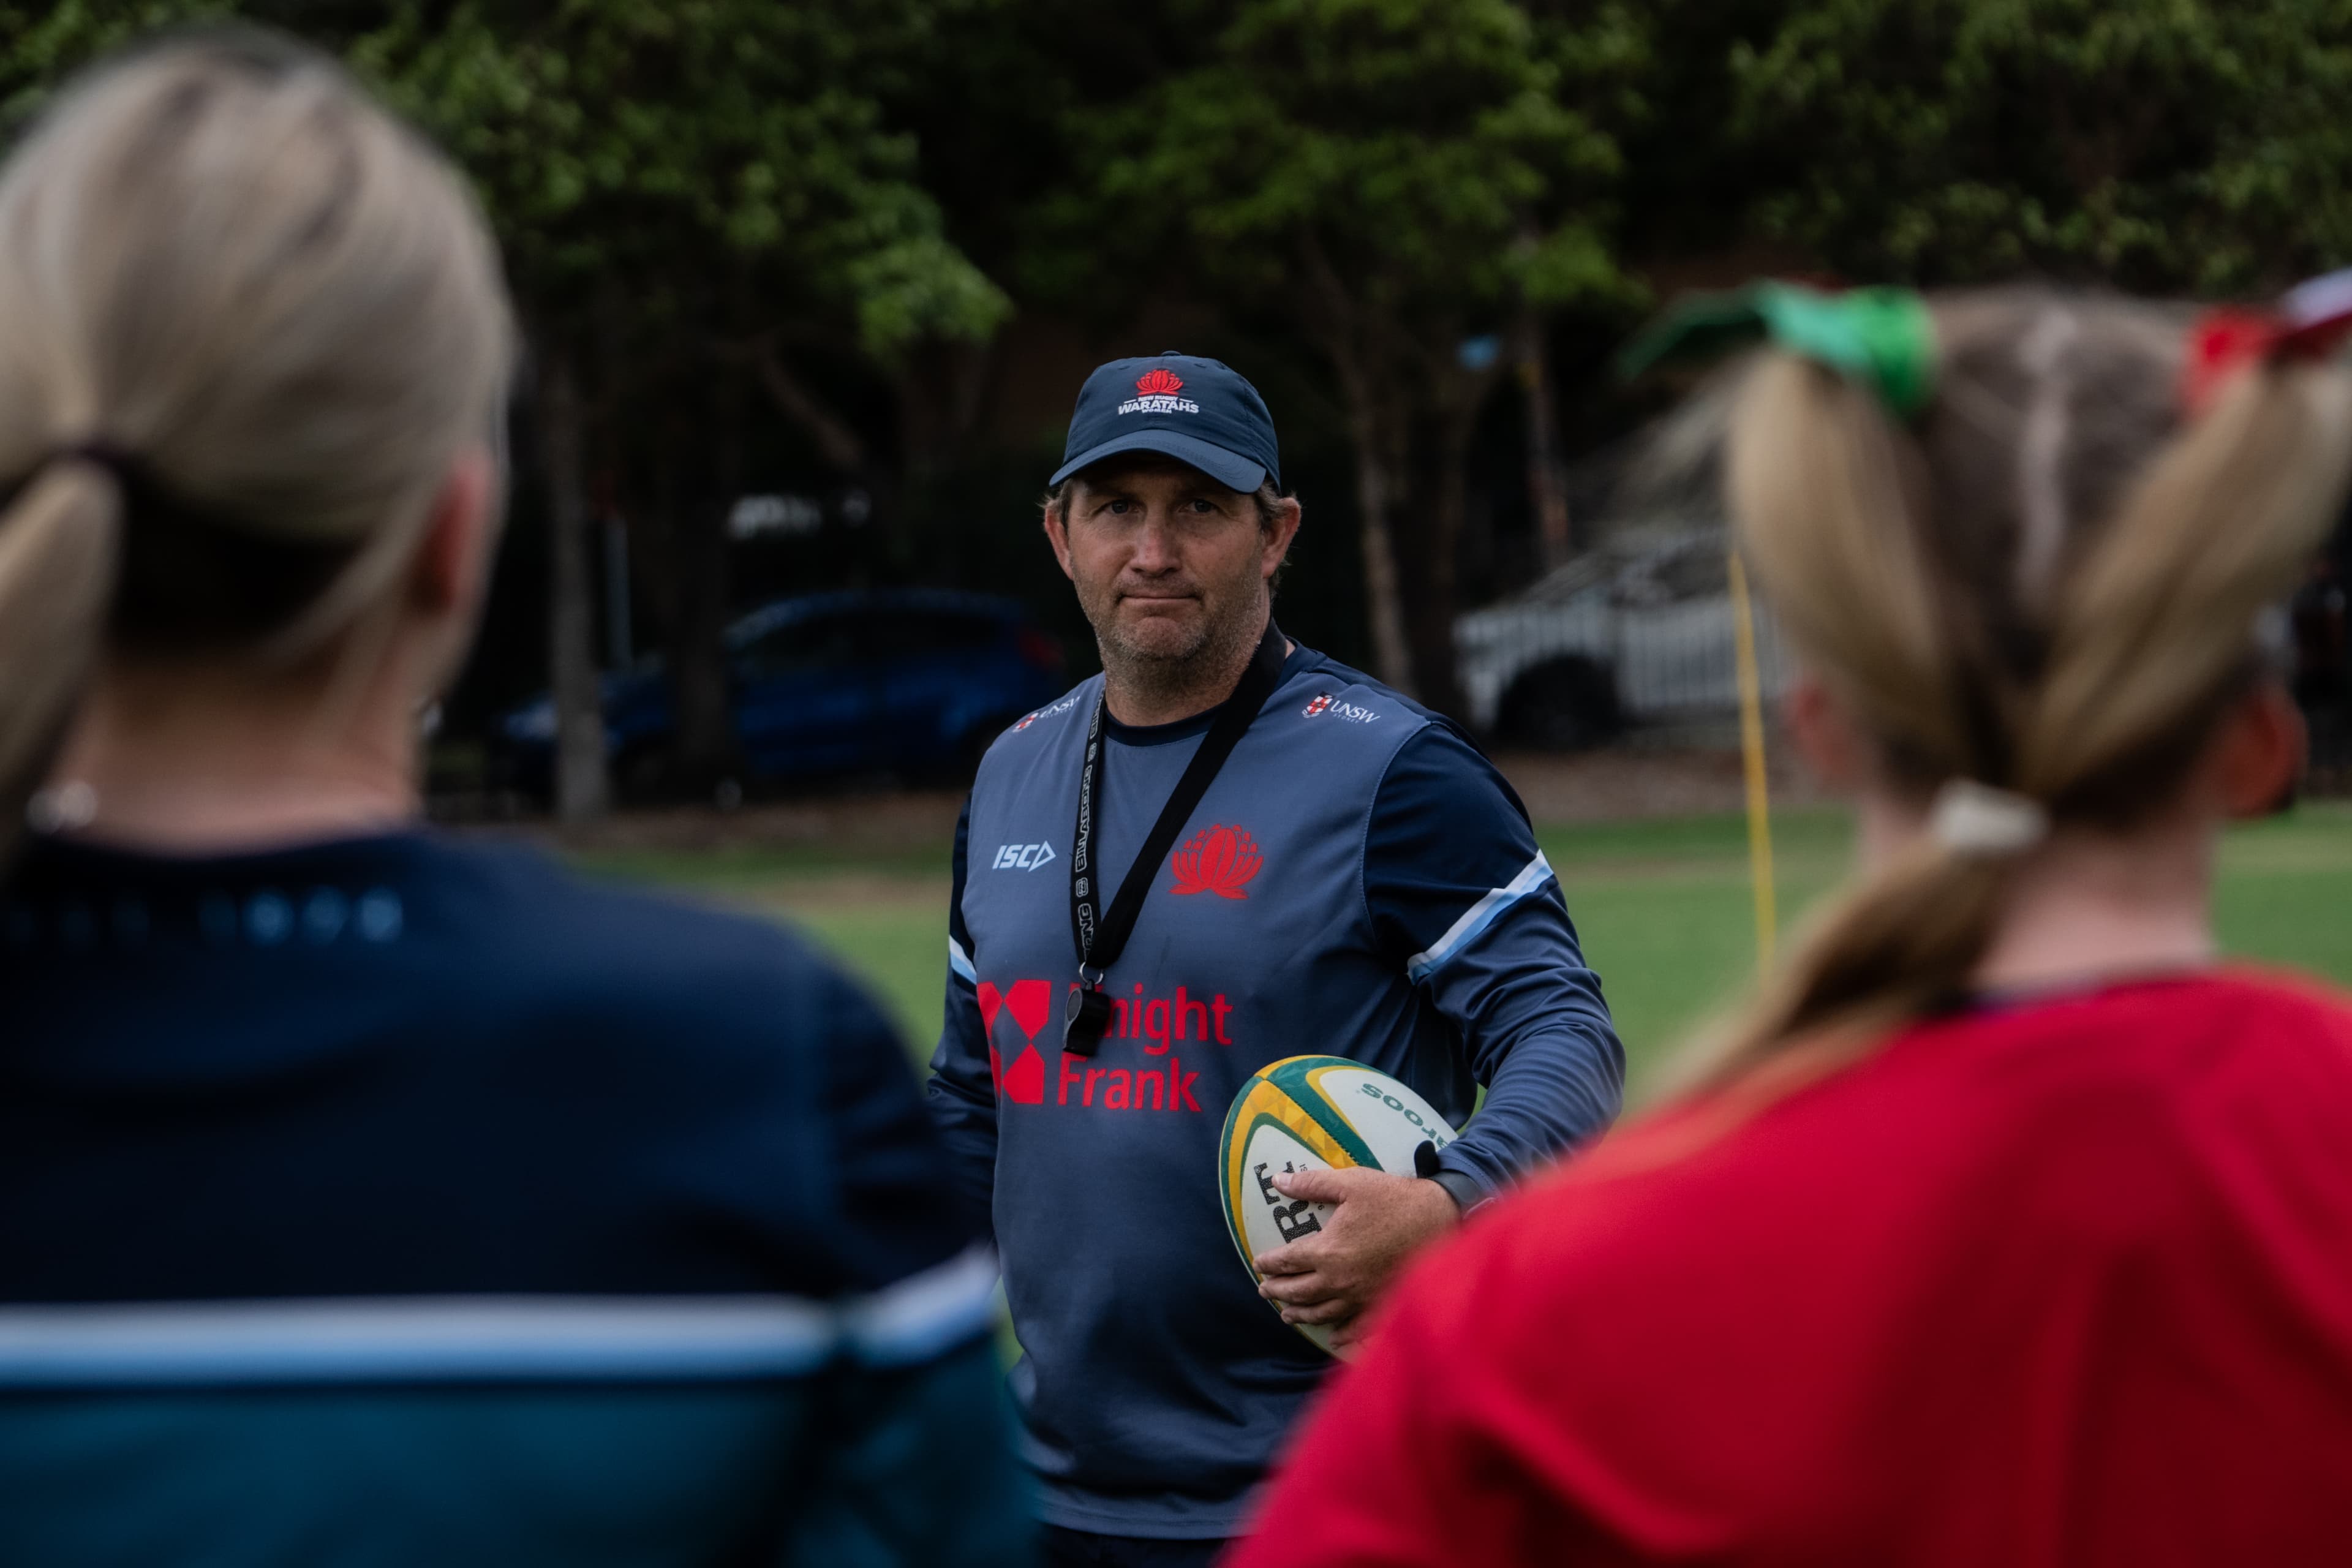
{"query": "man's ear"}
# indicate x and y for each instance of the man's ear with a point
(1057, 534)
(2257, 758)
(1276, 545)
(452, 565)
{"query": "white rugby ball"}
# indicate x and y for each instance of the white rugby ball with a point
(1312, 1113)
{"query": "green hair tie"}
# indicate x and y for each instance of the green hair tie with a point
(1883, 338)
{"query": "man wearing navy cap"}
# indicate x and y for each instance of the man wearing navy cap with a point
(1224, 850)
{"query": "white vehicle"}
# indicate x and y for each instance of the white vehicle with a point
(1638, 630)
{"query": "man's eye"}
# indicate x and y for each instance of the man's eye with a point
(1119, 508)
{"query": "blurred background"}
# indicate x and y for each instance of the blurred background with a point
(809, 287)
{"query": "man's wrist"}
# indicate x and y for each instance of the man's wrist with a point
(1462, 1188)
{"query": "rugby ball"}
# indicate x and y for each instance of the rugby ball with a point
(1312, 1113)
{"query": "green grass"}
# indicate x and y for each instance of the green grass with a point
(1663, 906)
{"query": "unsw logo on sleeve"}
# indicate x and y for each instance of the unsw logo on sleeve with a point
(1351, 713)
(1063, 705)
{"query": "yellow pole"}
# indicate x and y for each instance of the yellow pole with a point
(1751, 746)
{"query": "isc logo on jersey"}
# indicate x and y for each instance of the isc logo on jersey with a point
(1312, 1113)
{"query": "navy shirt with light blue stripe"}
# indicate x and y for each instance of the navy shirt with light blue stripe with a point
(396, 1199)
(1358, 881)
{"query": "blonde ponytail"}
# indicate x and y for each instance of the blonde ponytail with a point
(2153, 626)
(2060, 619)
(58, 549)
(247, 322)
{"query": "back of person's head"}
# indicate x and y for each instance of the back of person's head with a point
(2046, 582)
(247, 321)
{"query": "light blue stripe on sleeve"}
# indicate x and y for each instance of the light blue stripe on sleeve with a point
(492, 1338)
(961, 962)
(1477, 918)
(924, 1315)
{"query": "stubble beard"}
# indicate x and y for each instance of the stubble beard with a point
(1199, 669)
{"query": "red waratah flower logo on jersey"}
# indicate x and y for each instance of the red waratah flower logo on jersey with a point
(1159, 383)
(1218, 860)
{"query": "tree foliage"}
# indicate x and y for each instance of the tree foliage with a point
(661, 142)
(1399, 176)
(718, 213)
(2182, 144)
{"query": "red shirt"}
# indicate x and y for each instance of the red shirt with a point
(2061, 1283)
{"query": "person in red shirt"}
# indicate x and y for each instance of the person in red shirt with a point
(2005, 1225)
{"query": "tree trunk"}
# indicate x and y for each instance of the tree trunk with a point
(1546, 485)
(1438, 460)
(1375, 495)
(700, 683)
(1336, 324)
(582, 792)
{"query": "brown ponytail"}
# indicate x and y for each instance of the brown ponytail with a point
(2048, 585)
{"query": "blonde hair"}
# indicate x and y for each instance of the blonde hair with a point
(248, 320)
(2047, 583)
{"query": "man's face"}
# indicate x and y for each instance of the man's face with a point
(1167, 561)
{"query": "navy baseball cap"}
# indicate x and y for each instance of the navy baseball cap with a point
(1195, 410)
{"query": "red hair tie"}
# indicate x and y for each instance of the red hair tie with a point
(2308, 322)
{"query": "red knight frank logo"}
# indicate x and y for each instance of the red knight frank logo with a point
(1218, 860)
(1159, 383)
(1161, 1028)
(1029, 1002)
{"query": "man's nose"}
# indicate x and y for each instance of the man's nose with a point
(1155, 545)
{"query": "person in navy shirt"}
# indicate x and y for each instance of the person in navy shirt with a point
(368, 1196)
(1356, 880)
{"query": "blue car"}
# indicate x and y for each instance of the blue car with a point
(909, 681)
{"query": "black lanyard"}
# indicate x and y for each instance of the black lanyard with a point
(1101, 937)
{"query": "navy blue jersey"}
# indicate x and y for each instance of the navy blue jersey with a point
(394, 1200)
(1358, 881)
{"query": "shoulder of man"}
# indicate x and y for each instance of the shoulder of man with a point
(1037, 729)
(1350, 698)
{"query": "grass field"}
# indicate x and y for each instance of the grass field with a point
(1663, 906)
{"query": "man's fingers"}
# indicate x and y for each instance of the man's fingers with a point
(1294, 1258)
(1298, 1290)
(1332, 1311)
(1319, 1186)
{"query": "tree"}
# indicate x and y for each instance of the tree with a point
(2161, 145)
(711, 183)
(1398, 177)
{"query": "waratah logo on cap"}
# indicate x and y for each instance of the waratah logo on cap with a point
(1158, 388)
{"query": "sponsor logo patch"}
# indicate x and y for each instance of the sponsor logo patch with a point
(1352, 712)
(1219, 860)
(1156, 393)
(1022, 857)
(1164, 1026)
(1063, 705)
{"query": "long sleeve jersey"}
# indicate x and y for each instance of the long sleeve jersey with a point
(1358, 881)
(398, 1200)
(2055, 1278)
